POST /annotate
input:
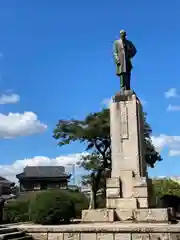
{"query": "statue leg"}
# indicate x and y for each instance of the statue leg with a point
(125, 81)
(122, 81)
(128, 81)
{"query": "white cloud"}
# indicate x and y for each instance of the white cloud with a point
(171, 142)
(159, 141)
(171, 93)
(17, 124)
(10, 171)
(173, 108)
(106, 102)
(9, 98)
(174, 153)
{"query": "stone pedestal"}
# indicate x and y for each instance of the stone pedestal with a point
(127, 190)
(98, 215)
(128, 186)
(149, 215)
(127, 140)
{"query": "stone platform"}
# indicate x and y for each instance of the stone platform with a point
(135, 215)
(103, 231)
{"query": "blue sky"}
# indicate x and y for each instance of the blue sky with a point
(56, 62)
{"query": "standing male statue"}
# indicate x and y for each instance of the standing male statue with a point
(123, 51)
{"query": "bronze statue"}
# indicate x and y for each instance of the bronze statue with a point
(123, 51)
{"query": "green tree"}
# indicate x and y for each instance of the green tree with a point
(94, 131)
(162, 187)
(166, 187)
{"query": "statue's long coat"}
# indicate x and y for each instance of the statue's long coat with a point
(123, 55)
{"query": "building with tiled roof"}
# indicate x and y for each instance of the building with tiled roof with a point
(42, 177)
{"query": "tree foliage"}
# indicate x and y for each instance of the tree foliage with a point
(94, 131)
(166, 191)
(16, 211)
(166, 187)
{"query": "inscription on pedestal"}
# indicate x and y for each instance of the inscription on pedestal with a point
(55, 236)
(124, 121)
(122, 236)
(71, 236)
(104, 236)
(159, 236)
(151, 215)
(139, 236)
(39, 236)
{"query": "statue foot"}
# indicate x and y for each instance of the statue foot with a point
(122, 89)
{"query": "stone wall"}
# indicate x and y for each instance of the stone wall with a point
(104, 231)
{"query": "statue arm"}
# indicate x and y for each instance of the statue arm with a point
(132, 51)
(115, 53)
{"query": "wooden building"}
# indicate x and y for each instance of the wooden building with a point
(5, 186)
(43, 177)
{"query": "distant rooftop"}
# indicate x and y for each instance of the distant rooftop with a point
(73, 187)
(43, 172)
(4, 181)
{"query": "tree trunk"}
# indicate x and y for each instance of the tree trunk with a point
(95, 199)
(91, 202)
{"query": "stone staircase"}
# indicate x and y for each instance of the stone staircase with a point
(13, 233)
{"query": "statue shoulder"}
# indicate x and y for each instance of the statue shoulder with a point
(129, 42)
(117, 42)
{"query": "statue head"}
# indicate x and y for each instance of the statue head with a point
(123, 34)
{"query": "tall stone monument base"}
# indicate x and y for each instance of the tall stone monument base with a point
(149, 215)
(128, 191)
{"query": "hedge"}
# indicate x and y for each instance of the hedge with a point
(80, 201)
(52, 207)
(46, 207)
(16, 211)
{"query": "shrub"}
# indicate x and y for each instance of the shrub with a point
(164, 187)
(52, 207)
(16, 211)
(80, 202)
(28, 196)
(46, 207)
